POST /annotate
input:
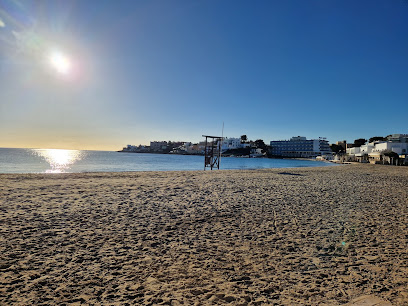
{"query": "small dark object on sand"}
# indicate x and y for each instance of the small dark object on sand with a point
(288, 173)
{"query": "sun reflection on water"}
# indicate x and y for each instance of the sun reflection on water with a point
(59, 160)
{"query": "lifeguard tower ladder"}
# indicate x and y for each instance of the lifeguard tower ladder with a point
(212, 152)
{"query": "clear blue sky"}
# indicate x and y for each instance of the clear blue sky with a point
(174, 70)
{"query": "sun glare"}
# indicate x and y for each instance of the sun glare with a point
(60, 63)
(59, 160)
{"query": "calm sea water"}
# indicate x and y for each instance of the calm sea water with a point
(59, 161)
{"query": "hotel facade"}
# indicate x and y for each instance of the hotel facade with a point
(299, 147)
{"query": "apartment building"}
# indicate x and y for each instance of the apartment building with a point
(299, 147)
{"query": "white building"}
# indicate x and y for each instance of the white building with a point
(130, 148)
(185, 146)
(375, 150)
(361, 153)
(383, 146)
(133, 148)
(398, 138)
(256, 152)
(232, 143)
(401, 148)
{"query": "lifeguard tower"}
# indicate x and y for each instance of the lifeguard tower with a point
(212, 152)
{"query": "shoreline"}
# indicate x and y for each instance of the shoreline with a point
(309, 235)
(157, 171)
(328, 164)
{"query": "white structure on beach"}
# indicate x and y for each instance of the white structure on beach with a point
(300, 147)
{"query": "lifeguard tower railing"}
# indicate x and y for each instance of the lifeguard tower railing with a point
(212, 151)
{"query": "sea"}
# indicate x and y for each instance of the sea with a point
(76, 161)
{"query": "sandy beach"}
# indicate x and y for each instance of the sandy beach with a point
(302, 236)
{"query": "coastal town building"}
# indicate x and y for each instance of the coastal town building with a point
(133, 148)
(257, 152)
(158, 146)
(400, 148)
(184, 148)
(130, 148)
(381, 151)
(344, 145)
(381, 146)
(398, 138)
(231, 143)
(360, 154)
(197, 148)
(299, 147)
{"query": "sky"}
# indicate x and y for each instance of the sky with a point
(99, 75)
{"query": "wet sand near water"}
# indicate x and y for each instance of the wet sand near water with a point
(300, 236)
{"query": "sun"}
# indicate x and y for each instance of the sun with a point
(60, 63)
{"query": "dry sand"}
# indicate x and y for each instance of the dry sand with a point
(305, 236)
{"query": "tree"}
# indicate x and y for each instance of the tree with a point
(259, 143)
(336, 148)
(391, 154)
(244, 138)
(377, 138)
(359, 142)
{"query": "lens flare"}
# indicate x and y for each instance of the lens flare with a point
(60, 63)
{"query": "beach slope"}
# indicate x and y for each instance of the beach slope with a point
(301, 236)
